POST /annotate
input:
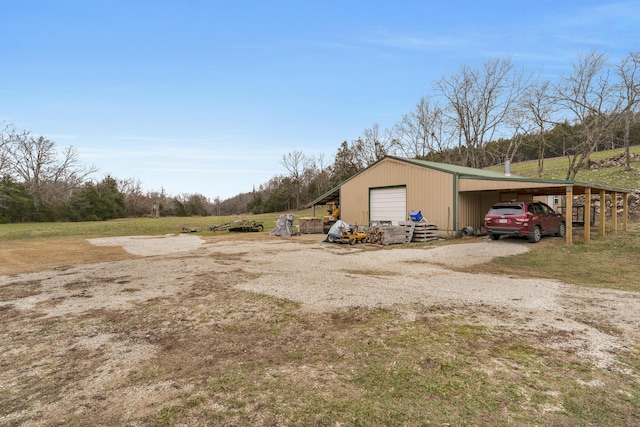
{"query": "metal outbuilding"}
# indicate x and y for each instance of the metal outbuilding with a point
(455, 197)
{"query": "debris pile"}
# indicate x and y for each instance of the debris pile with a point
(615, 161)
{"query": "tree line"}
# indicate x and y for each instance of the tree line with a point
(39, 182)
(477, 117)
(483, 116)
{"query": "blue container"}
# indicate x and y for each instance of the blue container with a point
(416, 216)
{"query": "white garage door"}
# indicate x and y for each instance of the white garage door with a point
(388, 204)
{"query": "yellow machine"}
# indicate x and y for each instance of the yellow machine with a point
(341, 232)
(333, 209)
(333, 214)
(358, 236)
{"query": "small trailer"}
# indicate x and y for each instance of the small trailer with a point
(246, 226)
(219, 227)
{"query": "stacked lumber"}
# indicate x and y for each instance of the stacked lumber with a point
(311, 225)
(387, 235)
(420, 231)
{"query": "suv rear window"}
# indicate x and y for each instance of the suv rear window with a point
(507, 210)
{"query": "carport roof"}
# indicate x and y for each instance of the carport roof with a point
(541, 186)
(330, 196)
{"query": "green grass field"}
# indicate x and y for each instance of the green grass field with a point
(128, 227)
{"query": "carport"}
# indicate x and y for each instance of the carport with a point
(568, 189)
(586, 189)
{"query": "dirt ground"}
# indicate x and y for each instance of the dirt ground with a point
(86, 326)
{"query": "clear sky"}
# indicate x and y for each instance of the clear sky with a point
(207, 96)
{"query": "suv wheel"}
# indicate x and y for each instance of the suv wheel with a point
(562, 230)
(535, 235)
(494, 236)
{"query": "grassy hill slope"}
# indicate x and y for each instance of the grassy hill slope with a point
(608, 173)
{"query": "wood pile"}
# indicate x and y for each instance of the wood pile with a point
(387, 235)
(311, 225)
(406, 232)
(615, 161)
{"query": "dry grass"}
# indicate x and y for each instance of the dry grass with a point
(29, 249)
(30, 255)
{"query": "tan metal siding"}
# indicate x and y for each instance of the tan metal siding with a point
(428, 191)
(484, 185)
(473, 207)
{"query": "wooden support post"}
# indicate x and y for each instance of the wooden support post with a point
(603, 212)
(625, 211)
(614, 212)
(569, 216)
(587, 214)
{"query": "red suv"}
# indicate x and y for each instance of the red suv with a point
(530, 219)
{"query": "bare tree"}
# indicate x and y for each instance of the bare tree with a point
(538, 104)
(595, 102)
(6, 138)
(374, 144)
(136, 202)
(49, 176)
(323, 178)
(161, 203)
(217, 203)
(628, 72)
(295, 163)
(518, 121)
(7, 135)
(422, 131)
(478, 103)
(315, 178)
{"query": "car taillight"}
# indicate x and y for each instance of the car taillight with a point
(522, 218)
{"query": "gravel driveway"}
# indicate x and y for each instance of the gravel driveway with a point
(325, 276)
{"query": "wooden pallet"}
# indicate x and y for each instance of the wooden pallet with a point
(422, 237)
(410, 229)
(420, 231)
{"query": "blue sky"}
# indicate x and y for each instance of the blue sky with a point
(207, 96)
